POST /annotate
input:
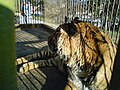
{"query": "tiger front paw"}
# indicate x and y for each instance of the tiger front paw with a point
(20, 61)
(27, 66)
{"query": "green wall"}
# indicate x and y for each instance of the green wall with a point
(7, 46)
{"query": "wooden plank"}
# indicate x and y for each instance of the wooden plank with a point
(29, 41)
(38, 76)
(21, 84)
(37, 84)
(25, 80)
(41, 73)
(31, 80)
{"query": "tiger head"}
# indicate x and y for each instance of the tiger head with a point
(76, 42)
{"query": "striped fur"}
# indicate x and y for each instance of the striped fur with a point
(39, 59)
(88, 53)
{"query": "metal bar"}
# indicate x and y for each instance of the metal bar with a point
(96, 14)
(116, 24)
(103, 15)
(114, 18)
(107, 16)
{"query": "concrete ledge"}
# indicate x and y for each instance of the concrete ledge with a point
(50, 27)
(27, 25)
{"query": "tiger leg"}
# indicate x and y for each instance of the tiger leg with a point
(36, 56)
(42, 63)
(35, 60)
(20, 61)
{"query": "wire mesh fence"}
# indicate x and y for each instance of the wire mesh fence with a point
(29, 11)
(102, 13)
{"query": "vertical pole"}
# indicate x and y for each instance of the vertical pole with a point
(7, 46)
(43, 10)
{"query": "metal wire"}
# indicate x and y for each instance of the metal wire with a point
(102, 13)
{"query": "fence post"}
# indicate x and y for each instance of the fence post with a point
(7, 46)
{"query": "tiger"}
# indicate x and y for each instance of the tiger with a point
(78, 49)
(87, 52)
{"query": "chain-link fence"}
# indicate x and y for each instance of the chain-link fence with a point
(101, 13)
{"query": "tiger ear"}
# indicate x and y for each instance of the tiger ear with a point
(72, 28)
(66, 19)
(76, 19)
